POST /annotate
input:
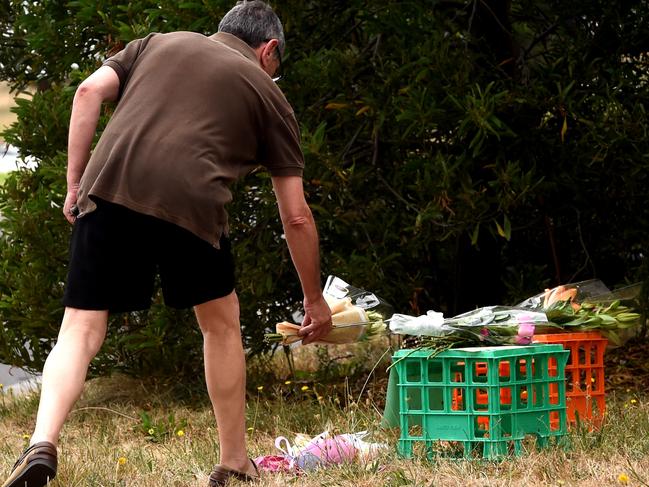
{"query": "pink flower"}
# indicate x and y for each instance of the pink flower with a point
(525, 333)
(331, 450)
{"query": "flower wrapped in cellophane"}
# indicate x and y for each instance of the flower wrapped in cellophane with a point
(589, 306)
(356, 315)
(490, 325)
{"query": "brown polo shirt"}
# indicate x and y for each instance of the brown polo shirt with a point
(195, 113)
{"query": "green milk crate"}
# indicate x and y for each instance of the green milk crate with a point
(481, 400)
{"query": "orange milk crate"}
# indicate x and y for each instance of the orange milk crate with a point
(585, 397)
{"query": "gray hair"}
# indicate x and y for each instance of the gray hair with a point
(254, 22)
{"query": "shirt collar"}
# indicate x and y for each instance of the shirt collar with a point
(235, 43)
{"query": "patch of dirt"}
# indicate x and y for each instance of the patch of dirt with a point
(627, 367)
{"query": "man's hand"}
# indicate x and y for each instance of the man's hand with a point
(70, 203)
(317, 321)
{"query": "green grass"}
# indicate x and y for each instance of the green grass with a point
(106, 441)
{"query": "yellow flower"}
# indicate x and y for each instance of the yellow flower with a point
(305, 388)
(260, 388)
(25, 437)
(151, 431)
(251, 429)
(623, 478)
(121, 461)
(633, 401)
(180, 433)
(1, 386)
(287, 382)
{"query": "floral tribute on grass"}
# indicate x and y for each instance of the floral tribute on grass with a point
(321, 451)
(356, 315)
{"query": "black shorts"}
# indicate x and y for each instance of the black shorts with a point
(116, 253)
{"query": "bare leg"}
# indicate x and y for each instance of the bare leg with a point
(225, 373)
(81, 335)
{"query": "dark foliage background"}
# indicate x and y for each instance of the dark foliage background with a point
(459, 154)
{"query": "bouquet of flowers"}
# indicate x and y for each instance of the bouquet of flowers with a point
(574, 293)
(491, 325)
(356, 315)
(588, 306)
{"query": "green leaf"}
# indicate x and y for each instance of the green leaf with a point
(475, 234)
(504, 231)
(507, 227)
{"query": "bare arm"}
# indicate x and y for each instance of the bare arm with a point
(302, 239)
(100, 86)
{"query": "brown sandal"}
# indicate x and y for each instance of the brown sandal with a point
(221, 475)
(35, 467)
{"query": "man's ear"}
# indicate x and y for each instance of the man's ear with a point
(269, 52)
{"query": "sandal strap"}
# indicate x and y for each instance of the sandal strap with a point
(48, 449)
(220, 475)
(255, 466)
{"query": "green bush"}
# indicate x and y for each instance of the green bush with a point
(458, 154)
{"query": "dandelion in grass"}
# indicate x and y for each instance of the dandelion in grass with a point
(180, 433)
(151, 431)
(260, 388)
(305, 388)
(633, 401)
(25, 436)
(623, 478)
(287, 382)
(121, 461)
